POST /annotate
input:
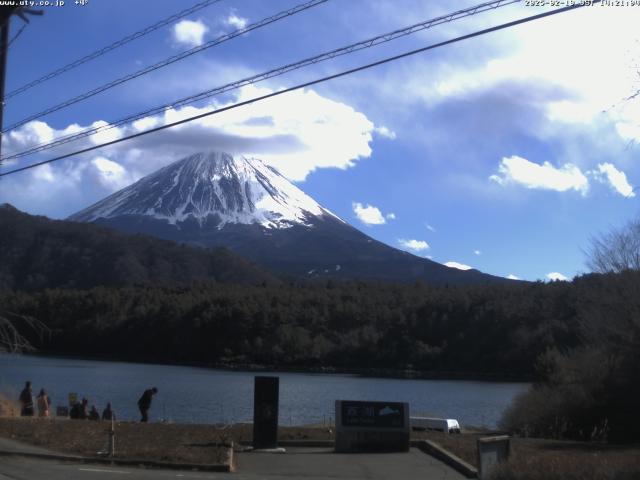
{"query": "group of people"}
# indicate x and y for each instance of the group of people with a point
(79, 410)
(26, 402)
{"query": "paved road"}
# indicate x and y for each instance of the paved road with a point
(315, 464)
(19, 468)
(9, 445)
(324, 464)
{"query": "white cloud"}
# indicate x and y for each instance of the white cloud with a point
(296, 133)
(368, 214)
(32, 133)
(105, 135)
(235, 21)
(521, 171)
(459, 266)
(562, 103)
(557, 276)
(190, 33)
(626, 117)
(385, 132)
(390, 216)
(145, 123)
(412, 244)
(430, 228)
(111, 174)
(617, 180)
(528, 53)
(45, 173)
(477, 252)
(511, 276)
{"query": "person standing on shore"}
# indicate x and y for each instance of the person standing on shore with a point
(144, 403)
(80, 411)
(26, 400)
(108, 413)
(43, 403)
(94, 414)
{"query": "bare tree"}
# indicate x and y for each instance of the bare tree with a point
(11, 337)
(617, 250)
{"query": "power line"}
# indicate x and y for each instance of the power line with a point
(180, 56)
(371, 42)
(5, 16)
(307, 84)
(113, 46)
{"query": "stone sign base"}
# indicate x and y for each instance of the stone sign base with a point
(373, 441)
(372, 426)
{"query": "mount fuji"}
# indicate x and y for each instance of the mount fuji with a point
(215, 199)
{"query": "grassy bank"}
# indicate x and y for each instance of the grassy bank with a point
(159, 442)
(8, 407)
(540, 459)
(187, 443)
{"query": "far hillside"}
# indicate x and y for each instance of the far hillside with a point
(38, 253)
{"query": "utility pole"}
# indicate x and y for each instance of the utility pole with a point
(5, 18)
(4, 50)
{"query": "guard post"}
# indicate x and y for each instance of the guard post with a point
(492, 451)
(265, 412)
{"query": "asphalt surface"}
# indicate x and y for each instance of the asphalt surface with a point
(324, 464)
(9, 445)
(316, 464)
(21, 468)
(297, 462)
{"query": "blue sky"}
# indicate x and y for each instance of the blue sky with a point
(504, 153)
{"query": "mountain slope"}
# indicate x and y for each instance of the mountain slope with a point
(214, 199)
(37, 253)
(213, 188)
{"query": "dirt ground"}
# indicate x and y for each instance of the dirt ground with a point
(8, 408)
(532, 459)
(542, 459)
(187, 443)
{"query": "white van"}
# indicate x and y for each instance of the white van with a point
(446, 425)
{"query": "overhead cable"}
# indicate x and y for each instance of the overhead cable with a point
(370, 42)
(305, 85)
(113, 46)
(174, 58)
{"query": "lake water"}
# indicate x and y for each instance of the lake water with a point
(203, 395)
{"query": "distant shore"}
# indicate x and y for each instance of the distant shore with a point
(407, 374)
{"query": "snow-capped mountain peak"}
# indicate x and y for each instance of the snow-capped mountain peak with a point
(212, 185)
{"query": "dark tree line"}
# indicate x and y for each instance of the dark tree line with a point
(38, 253)
(591, 391)
(497, 330)
(139, 298)
(578, 341)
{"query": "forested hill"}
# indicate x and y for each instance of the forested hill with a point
(500, 330)
(38, 253)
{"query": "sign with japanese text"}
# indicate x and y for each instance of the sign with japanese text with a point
(372, 414)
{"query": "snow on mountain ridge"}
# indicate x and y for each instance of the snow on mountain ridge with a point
(235, 189)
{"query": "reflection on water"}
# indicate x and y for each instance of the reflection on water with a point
(202, 395)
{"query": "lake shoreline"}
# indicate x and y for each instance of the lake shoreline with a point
(191, 394)
(390, 373)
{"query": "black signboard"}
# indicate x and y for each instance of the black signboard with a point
(373, 414)
(265, 412)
